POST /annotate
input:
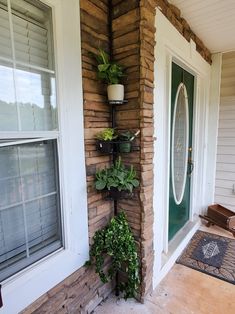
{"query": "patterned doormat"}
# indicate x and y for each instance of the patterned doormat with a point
(211, 254)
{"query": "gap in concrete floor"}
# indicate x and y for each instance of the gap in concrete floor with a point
(182, 291)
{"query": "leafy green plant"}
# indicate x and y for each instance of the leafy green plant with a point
(117, 176)
(106, 135)
(109, 72)
(116, 240)
(126, 136)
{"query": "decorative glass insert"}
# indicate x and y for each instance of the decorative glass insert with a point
(179, 150)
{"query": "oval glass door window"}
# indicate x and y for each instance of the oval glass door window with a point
(179, 149)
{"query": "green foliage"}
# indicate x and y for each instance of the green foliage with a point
(126, 136)
(108, 71)
(106, 135)
(116, 240)
(117, 176)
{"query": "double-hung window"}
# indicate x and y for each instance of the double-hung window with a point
(30, 210)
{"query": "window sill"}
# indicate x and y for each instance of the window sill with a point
(32, 282)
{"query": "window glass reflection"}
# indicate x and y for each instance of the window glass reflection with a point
(36, 100)
(8, 108)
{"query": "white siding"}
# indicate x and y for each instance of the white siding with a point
(225, 166)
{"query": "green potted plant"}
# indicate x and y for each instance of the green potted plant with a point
(105, 139)
(111, 73)
(119, 180)
(117, 242)
(124, 141)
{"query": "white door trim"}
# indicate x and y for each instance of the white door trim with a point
(173, 47)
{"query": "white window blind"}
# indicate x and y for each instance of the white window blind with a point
(27, 98)
(30, 216)
(5, 47)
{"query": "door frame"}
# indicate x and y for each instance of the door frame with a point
(173, 47)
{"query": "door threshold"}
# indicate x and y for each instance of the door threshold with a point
(176, 241)
(176, 247)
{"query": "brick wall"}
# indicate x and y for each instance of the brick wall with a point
(133, 47)
(133, 30)
(94, 34)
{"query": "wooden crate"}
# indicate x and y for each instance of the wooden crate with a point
(220, 216)
(223, 215)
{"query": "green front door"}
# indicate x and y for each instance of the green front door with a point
(182, 88)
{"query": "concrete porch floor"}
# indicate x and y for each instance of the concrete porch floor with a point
(182, 291)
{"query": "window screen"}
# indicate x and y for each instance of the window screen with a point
(30, 214)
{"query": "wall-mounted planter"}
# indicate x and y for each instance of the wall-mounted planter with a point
(118, 179)
(115, 194)
(106, 147)
(110, 147)
(115, 92)
(124, 146)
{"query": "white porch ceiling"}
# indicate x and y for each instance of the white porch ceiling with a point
(213, 21)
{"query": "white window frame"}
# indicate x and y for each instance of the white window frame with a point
(23, 288)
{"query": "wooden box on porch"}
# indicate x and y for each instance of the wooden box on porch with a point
(220, 216)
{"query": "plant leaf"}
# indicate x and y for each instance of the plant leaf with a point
(103, 67)
(135, 183)
(100, 185)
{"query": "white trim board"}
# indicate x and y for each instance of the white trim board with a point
(28, 285)
(173, 47)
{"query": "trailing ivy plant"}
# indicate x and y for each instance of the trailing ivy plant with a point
(116, 240)
(117, 176)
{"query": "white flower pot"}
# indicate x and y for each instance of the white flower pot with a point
(115, 92)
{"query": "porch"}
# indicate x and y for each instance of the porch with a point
(182, 291)
(167, 48)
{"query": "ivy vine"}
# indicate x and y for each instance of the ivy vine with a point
(116, 240)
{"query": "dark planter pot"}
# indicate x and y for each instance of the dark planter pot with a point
(115, 194)
(105, 147)
(124, 147)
